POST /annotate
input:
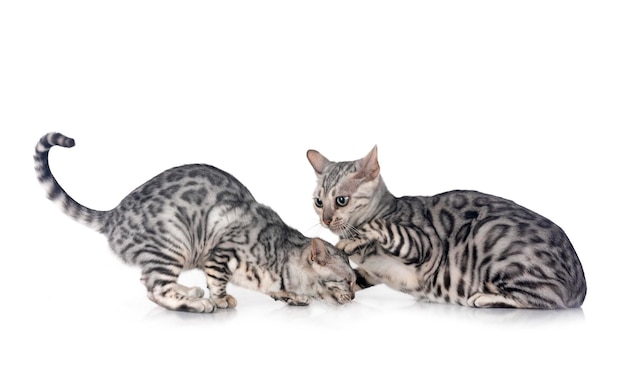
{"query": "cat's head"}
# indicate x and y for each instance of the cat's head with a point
(346, 191)
(327, 274)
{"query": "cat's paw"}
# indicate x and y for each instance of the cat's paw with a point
(342, 297)
(192, 292)
(291, 298)
(351, 246)
(226, 301)
(195, 292)
(483, 300)
(202, 305)
(299, 300)
(173, 300)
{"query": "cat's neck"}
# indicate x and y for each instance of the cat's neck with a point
(280, 244)
(381, 202)
(284, 266)
(273, 254)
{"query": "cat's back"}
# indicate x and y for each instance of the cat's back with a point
(454, 214)
(454, 204)
(188, 186)
(189, 179)
(474, 205)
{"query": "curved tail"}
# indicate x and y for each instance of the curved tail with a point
(92, 218)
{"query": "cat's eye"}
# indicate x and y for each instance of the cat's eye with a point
(342, 200)
(318, 202)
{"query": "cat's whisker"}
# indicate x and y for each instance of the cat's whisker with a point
(315, 228)
(353, 230)
(344, 230)
(348, 230)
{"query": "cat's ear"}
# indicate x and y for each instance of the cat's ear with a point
(319, 254)
(318, 161)
(368, 166)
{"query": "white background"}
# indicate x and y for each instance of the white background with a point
(526, 101)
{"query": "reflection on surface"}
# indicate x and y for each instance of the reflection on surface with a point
(500, 315)
(390, 302)
(379, 304)
(163, 315)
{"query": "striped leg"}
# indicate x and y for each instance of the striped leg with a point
(218, 275)
(406, 243)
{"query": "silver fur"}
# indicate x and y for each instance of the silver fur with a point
(460, 247)
(197, 216)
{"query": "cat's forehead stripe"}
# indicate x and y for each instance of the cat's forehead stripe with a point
(336, 173)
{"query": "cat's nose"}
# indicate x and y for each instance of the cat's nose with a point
(326, 221)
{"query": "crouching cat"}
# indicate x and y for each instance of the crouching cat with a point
(461, 247)
(197, 216)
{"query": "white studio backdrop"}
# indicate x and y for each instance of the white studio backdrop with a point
(522, 100)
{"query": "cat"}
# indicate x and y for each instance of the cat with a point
(460, 247)
(200, 217)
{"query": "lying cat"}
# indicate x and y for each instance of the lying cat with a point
(460, 247)
(197, 216)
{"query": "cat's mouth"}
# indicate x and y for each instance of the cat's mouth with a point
(341, 228)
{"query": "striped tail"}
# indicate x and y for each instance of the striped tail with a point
(93, 218)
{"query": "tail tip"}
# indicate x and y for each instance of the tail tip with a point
(61, 140)
(52, 139)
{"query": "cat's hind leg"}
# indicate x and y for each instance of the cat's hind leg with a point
(192, 292)
(163, 289)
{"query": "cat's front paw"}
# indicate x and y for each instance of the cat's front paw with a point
(291, 298)
(226, 301)
(351, 246)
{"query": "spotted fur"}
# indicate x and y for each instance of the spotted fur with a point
(460, 247)
(200, 217)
